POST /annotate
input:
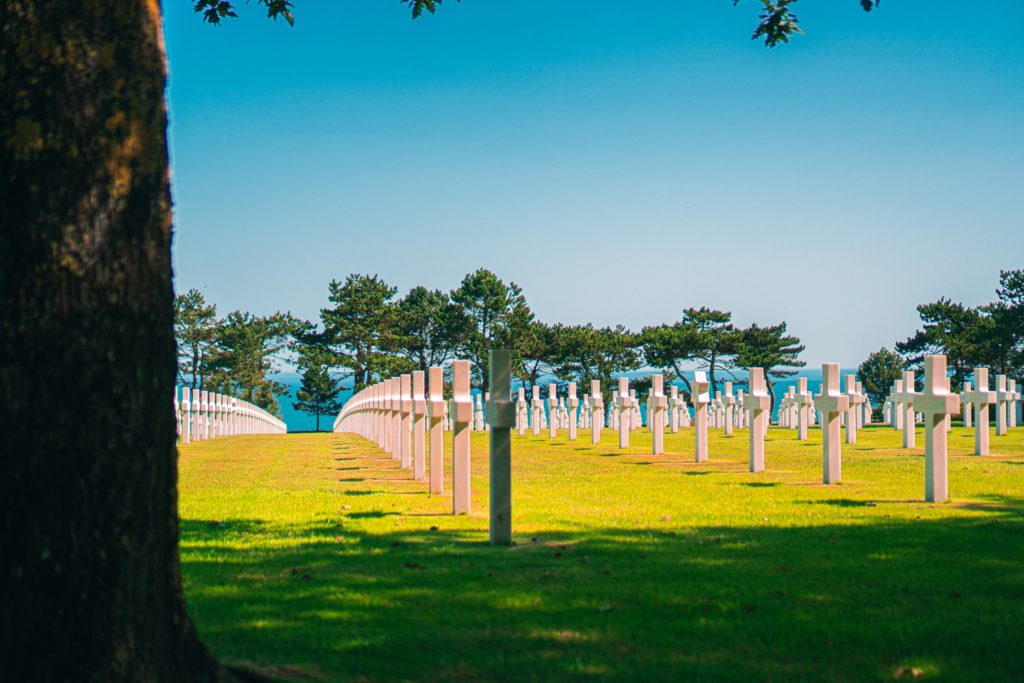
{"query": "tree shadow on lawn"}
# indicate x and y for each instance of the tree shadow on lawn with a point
(863, 600)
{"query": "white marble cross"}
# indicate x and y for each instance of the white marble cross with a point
(521, 411)
(419, 413)
(936, 402)
(462, 414)
(1002, 399)
(538, 409)
(571, 405)
(700, 398)
(966, 407)
(657, 403)
(728, 401)
(435, 414)
(674, 404)
(804, 405)
(597, 408)
(907, 409)
(831, 403)
(1011, 406)
(757, 404)
(625, 406)
(405, 421)
(856, 400)
(981, 397)
(552, 410)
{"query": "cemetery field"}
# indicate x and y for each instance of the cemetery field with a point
(315, 557)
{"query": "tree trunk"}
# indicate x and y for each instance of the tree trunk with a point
(89, 531)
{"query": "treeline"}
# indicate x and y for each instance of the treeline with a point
(989, 336)
(368, 332)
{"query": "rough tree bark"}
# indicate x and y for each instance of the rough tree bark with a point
(91, 587)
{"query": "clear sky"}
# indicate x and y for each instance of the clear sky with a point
(619, 161)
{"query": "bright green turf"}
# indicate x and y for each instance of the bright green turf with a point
(315, 555)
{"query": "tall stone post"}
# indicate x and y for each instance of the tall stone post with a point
(700, 397)
(419, 414)
(936, 402)
(831, 403)
(758, 403)
(500, 417)
(462, 414)
(435, 416)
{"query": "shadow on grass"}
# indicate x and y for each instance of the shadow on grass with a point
(839, 601)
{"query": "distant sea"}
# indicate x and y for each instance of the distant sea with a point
(299, 422)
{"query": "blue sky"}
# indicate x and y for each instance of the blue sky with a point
(619, 161)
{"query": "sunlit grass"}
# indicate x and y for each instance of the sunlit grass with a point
(316, 551)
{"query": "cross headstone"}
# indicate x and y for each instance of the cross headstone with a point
(1002, 399)
(552, 410)
(537, 406)
(936, 402)
(597, 407)
(728, 401)
(966, 407)
(805, 405)
(906, 399)
(571, 405)
(462, 414)
(500, 418)
(625, 406)
(656, 413)
(981, 397)
(1011, 403)
(478, 413)
(676, 404)
(435, 417)
(396, 419)
(856, 400)
(897, 405)
(741, 414)
(405, 421)
(521, 411)
(831, 403)
(757, 404)
(419, 414)
(186, 415)
(700, 397)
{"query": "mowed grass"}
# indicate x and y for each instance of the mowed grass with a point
(315, 556)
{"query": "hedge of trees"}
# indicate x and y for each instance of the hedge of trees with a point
(368, 331)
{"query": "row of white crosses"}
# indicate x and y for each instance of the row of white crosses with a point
(903, 406)
(405, 416)
(203, 415)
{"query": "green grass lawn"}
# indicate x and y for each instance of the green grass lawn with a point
(314, 556)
